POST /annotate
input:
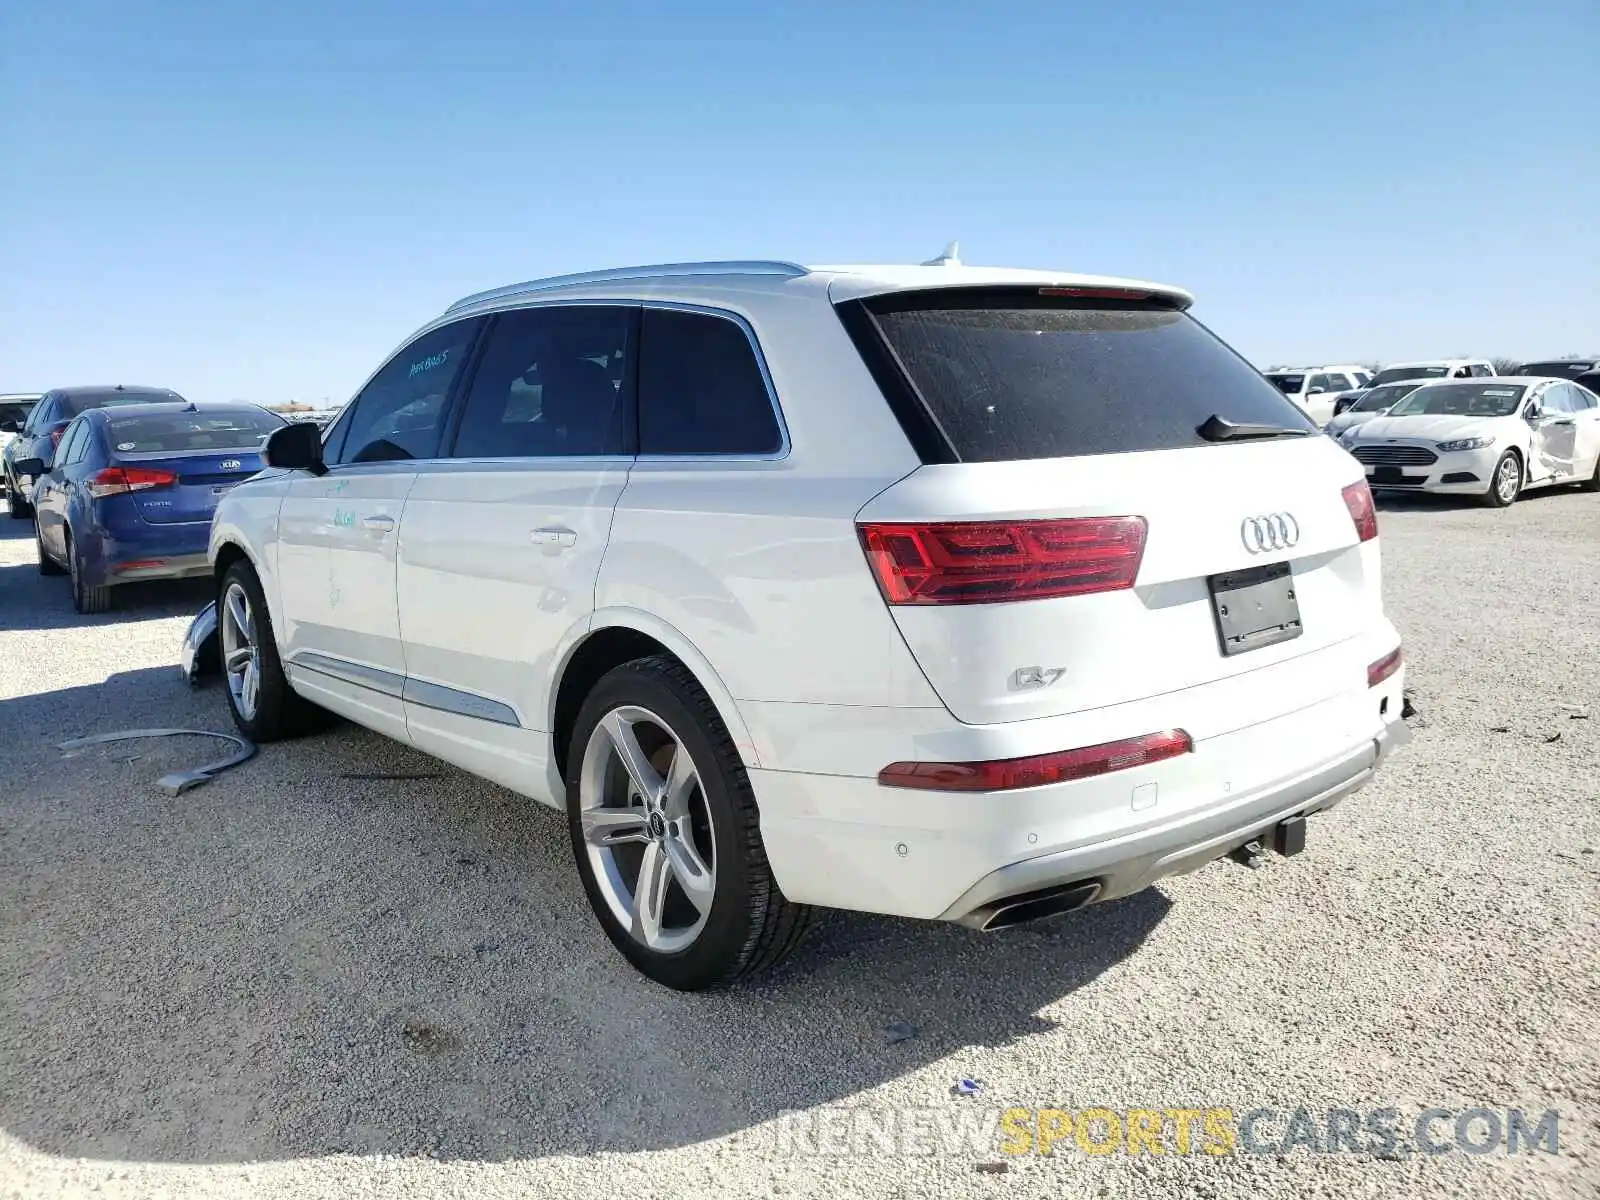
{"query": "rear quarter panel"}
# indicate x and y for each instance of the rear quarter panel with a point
(757, 562)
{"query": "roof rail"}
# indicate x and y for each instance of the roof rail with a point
(736, 267)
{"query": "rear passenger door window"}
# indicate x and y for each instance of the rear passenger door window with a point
(553, 382)
(702, 389)
(39, 417)
(400, 413)
(75, 445)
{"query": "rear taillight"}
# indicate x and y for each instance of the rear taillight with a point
(1383, 668)
(982, 562)
(114, 481)
(1358, 499)
(1038, 769)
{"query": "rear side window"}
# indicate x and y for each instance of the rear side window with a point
(73, 443)
(43, 414)
(701, 390)
(175, 433)
(1023, 381)
(399, 414)
(552, 382)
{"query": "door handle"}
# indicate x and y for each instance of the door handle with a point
(1566, 422)
(378, 525)
(554, 535)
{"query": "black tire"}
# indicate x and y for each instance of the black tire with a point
(85, 599)
(47, 565)
(280, 711)
(751, 926)
(19, 508)
(1493, 497)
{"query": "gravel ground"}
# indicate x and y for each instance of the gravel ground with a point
(300, 982)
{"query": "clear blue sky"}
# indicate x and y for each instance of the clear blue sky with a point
(258, 201)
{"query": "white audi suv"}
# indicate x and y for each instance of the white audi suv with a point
(939, 591)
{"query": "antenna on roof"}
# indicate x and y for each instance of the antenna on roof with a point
(950, 258)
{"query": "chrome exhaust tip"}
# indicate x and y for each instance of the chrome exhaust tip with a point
(1032, 906)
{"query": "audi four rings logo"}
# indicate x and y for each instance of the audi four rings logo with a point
(229, 464)
(1275, 531)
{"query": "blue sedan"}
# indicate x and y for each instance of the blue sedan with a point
(130, 491)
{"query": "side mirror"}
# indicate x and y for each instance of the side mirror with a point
(296, 447)
(1534, 411)
(10, 427)
(32, 467)
(1316, 391)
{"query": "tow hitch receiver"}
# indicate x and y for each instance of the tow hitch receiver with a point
(1289, 836)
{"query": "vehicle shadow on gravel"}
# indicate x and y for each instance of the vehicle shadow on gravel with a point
(1422, 501)
(347, 947)
(29, 600)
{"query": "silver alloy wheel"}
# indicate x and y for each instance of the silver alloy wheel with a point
(241, 657)
(1507, 478)
(647, 829)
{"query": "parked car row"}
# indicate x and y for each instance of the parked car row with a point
(1322, 393)
(121, 482)
(773, 580)
(1313, 388)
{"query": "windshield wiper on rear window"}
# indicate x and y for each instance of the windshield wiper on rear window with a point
(1217, 428)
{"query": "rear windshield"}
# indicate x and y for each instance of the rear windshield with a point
(1395, 374)
(167, 433)
(1555, 370)
(1016, 380)
(1377, 397)
(87, 400)
(16, 410)
(1461, 400)
(1289, 385)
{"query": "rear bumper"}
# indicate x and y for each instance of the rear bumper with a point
(1122, 866)
(845, 841)
(148, 566)
(176, 551)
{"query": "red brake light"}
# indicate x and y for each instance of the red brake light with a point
(1097, 293)
(113, 481)
(1358, 499)
(1039, 769)
(1383, 668)
(980, 562)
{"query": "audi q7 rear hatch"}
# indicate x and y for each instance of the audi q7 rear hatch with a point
(1114, 504)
